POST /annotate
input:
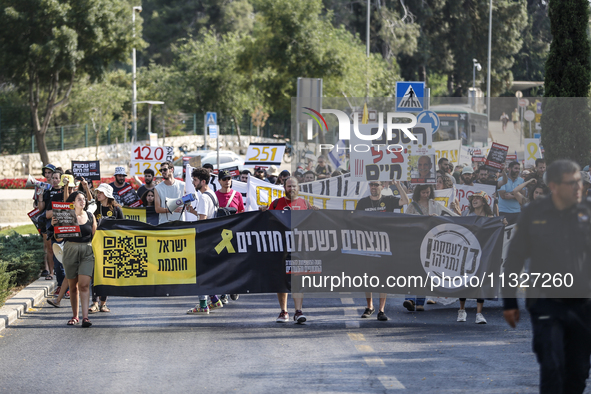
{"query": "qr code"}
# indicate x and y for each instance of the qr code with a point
(125, 257)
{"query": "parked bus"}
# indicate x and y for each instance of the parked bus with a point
(461, 122)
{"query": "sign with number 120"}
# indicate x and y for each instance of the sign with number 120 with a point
(264, 154)
(144, 157)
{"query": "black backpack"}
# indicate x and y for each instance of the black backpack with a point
(225, 211)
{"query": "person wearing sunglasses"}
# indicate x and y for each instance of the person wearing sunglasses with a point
(376, 202)
(169, 188)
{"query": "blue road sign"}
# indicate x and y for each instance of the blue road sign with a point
(410, 96)
(213, 130)
(537, 135)
(211, 118)
(429, 120)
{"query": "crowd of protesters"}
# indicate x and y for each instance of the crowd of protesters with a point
(515, 187)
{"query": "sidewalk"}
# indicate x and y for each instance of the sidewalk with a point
(25, 300)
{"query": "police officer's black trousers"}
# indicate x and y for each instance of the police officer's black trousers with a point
(562, 343)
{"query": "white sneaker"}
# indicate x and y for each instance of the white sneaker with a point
(479, 319)
(462, 315)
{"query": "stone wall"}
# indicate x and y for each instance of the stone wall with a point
(15, 166)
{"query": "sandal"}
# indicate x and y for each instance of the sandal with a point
(73, 321)
(105, 308)
(86, 322)
(49, 277)
(94, 308)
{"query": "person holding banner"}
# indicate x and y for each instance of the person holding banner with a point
(108, 209)
(206, 209)
(375, 202)
(169, 188)
(287, 203)
(78, 258)
(423, 203)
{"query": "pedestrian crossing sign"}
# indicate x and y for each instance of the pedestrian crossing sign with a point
(211, 118)
(410, 96)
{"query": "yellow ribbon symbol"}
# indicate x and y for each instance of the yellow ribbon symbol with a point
(226, 243)
(532, 154)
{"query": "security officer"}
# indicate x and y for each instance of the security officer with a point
(554, 232)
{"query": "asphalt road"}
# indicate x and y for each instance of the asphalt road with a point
(149, 345)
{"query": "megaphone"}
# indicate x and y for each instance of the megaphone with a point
(58, 250)
(174, 203)
(33, 183)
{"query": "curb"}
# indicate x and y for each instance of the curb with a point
(25, 299)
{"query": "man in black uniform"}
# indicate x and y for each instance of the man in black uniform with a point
(375, 202)
(554, 232)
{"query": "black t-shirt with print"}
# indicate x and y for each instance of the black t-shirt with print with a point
(384, 204)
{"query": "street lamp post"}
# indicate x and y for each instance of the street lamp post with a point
(475, 65)
(134, 97)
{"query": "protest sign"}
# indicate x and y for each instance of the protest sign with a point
(422, 169)
(34, 215)
(126, 196)
(264, 154)
(464, 191)
(89, 170)
(144, 157)
(142, 214)
(451, 150)
(67, 224)
(532, 151)
(496, 158)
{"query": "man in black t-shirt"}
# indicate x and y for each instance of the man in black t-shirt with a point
(123, 193)
(375, 202)
(148, 182)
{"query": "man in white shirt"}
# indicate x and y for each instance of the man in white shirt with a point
(169, 188)
(206, 209)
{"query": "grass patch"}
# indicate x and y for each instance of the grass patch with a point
(27, 229)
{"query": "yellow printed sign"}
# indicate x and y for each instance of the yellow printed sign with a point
(144, 257)
(138, 214)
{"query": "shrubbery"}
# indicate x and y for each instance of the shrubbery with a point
(21, 260)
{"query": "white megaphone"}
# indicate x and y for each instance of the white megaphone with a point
(33, 183)
(174, 203)
(58, 250)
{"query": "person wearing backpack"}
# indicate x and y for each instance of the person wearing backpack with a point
(227, 197)
(231, 201)
(206, 209)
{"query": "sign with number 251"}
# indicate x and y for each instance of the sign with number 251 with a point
(264, 154)
(144, 157)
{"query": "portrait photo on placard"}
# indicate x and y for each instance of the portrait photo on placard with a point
(421, 169)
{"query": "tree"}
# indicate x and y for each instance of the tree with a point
(98, 103)
(566, 122)
(208, 71)
(47, 45)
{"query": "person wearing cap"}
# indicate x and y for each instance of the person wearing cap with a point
(107, 209)
(467, 177)
(478, 207)
(272, 174)
(283, 175)
(226, 196)
(39, 203)
(45, 204)
(169, 188)
(123, 193)
(259, 173)
(323, 169)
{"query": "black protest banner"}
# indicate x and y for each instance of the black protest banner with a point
(87, 169)
(279, 251)
(496, 158)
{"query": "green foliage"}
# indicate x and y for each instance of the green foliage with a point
(23, 256)
(26, 229)
(566, 122)
(5, 282)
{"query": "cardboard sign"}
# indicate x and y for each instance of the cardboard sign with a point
(89, 170)
(144, 157)
(34, 215)
(533, 151)
(264, 154)
(67, 224)
(234, 171)
(496, 157)
(451, 150)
